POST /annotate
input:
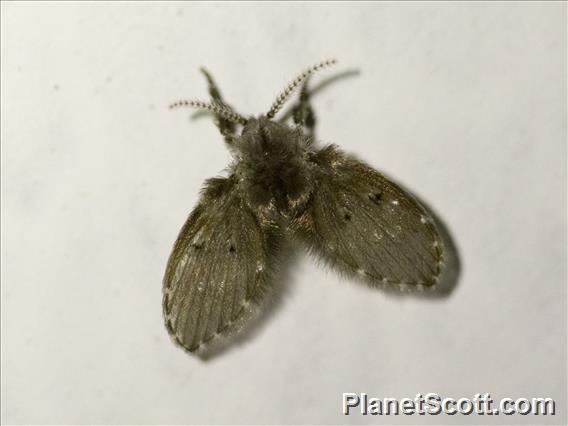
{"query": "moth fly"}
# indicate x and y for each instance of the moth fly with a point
(280, 186)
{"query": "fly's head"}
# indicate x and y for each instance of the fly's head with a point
(271, 158)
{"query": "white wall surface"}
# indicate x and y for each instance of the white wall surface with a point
(463, 103)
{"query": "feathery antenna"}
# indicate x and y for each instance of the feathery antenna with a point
(285, 94)
(219, 109)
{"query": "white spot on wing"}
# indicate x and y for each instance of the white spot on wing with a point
(180, 268)
(197, 238)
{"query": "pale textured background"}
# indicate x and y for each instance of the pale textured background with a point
(462, 103)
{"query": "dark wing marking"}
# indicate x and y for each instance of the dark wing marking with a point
(221, 262)
(364, 224)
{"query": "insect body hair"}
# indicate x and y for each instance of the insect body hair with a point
(272, 163)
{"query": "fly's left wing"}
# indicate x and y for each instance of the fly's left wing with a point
(220, 264)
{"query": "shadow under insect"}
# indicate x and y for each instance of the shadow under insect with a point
(234, 247)
(259, 316)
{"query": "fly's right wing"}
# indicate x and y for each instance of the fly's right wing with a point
(363, 224)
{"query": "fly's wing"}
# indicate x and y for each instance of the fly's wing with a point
(220, 264)
(362, 223)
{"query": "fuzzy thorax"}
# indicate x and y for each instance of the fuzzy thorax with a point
(272, 164)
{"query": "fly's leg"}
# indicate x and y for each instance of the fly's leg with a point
(303, 113)
(226, 127)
